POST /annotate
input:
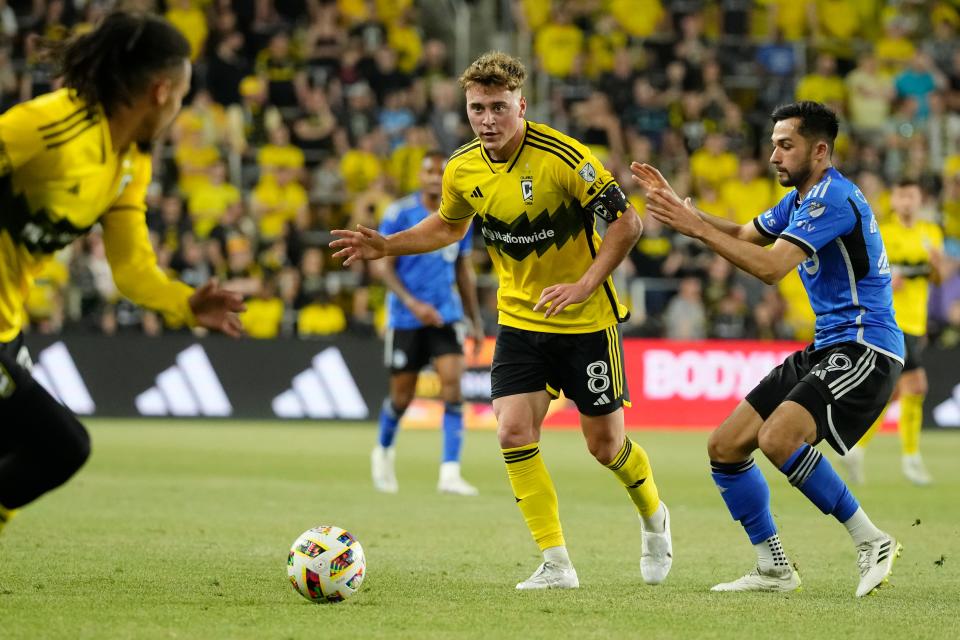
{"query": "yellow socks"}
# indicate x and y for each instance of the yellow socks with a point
(632, 466)
(535, 494)
(911, 421)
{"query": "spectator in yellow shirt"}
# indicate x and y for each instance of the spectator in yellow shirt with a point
(748, 193)
(264, 315)
(823, 85)
(712, 164)
(558, 44)
(404, 38)
(209, 201)
(639, 18)
(190, 21)
(278, 152)
(320, 317)
(361, 165)
(277, 200)
(194, 159)
(894, 49)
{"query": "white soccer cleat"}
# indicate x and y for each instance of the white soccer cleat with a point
(853, 461)
(756, 581)
(451, 482)
(656, 551)
(915, 471)
(383, 469)
(875, 560)
(550, 575)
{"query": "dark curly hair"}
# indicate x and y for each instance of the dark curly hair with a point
(113, 63)
(817, 122)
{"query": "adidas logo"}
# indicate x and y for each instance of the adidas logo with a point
(188, 388)
(56, 371)
(476, 193)
(603, 399)
(325, 390)
(947, 413)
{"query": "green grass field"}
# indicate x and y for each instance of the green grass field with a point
(181, 530)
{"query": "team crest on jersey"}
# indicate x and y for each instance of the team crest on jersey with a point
(817, 211)
(588, 173)
(811, 265)
(526, 188)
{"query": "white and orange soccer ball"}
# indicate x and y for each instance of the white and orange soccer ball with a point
(326, 564)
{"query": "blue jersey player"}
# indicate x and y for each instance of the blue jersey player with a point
(833, 389)
(425, 322)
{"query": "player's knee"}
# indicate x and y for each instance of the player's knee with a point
(450, 391)
(71, 447)
(721, 449)
(604, 447)
(514, 433)
(777, 445)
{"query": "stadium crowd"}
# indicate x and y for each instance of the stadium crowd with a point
(307, 115)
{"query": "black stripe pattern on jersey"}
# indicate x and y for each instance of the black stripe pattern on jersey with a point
(470, 146)
(563, 147)
(64, 120)
(64, 136)
(35, 231)
(542, 147)
(522, 237)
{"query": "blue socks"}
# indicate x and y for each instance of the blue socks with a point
(813, 474)
(452, 428)
(747, 495)
(452, 431)
(389, 419)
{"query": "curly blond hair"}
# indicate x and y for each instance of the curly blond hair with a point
(495, 69)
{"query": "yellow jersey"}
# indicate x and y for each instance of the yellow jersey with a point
(59, 175)
(537, 212)
(908, 250)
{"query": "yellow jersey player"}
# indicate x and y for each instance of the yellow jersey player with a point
(538, 194)
(915, 252)
(69, 160)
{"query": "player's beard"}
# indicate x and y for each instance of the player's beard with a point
(796, 177)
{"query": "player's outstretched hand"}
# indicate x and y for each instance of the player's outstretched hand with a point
(681, 215)
(649, 177)
(362, 244)
(560, 296)
(217, 309)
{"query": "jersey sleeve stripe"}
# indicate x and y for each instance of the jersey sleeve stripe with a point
(128, 207)
(573, 150)
(49, 137)
(553, 151)
(464, 149)
(808, 248)
(63, 120)
(762, 229)
(58, 143)
(444, 216)
(553, 142)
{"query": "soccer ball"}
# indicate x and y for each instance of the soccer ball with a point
(326, 564)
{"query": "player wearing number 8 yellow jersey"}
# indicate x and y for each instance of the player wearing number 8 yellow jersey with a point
(538, 195)
(69, 160)
(915, 252)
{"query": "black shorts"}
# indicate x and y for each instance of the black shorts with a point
(914, 346)
(844, 386)
(587, 367)
(413, 349)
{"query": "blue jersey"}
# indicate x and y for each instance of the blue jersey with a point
(847, 275)
(429, 277)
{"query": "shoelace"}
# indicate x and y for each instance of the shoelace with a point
(863, 558)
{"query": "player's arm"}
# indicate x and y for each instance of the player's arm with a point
(137, 276)
(649, 177)
(386, 269)
(467, 286)
(600, 195)
(770, 266)
(450, 224)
